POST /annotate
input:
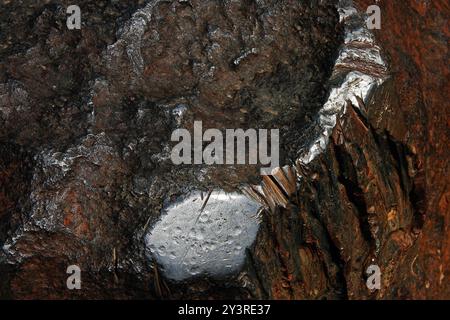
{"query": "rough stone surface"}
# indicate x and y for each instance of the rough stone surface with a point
(85, 124)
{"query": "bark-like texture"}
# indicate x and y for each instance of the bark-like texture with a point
(86, 118)
(415, 37)
(380, 192)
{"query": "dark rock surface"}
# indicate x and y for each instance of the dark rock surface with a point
(86, 117)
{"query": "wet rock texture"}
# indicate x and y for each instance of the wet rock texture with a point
(86, 118)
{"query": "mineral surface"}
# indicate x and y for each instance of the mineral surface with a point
(86, 177)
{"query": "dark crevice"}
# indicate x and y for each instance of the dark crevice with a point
(253, 268)
(348, 178)
(335, 255)
(398, 152)
(274, 235)
(412, 186)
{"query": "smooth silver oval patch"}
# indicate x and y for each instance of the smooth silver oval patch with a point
(187, 241)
